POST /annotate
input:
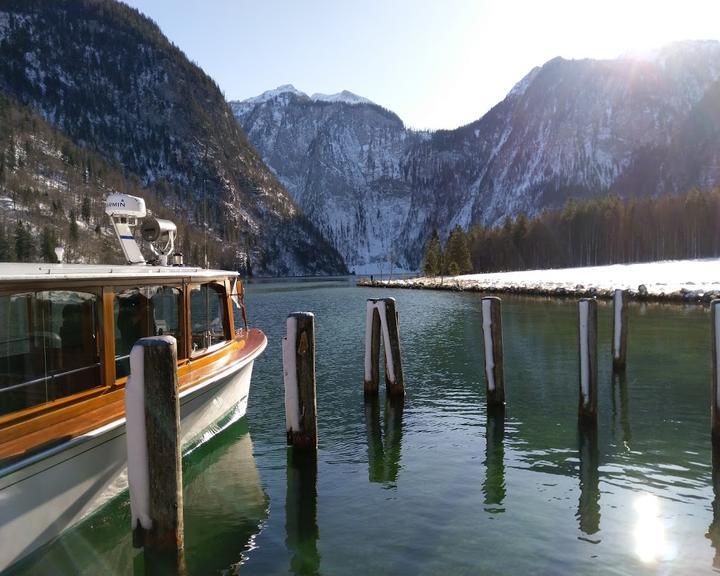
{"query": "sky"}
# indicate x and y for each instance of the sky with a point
(436, 63)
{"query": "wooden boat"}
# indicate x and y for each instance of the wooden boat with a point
(65, 337)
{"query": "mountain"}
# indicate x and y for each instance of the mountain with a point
(571, 128)
(106, 77)
(341, 158)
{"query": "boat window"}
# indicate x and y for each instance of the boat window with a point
(207, 316)
(48, 347)
(238, 312)
(238, 306)
(141, 312)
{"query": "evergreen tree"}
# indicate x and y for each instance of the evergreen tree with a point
(74, 233)
(24, 243)
(6, 252)
(457, 253)
(85, 209)
(433, 255)
(48, 243)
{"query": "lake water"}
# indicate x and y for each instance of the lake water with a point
(435, 485)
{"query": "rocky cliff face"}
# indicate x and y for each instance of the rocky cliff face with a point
(105, 76)
(568, 129)
(341, 158)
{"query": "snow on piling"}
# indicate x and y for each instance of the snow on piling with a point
(152, 409)
(382, 319)
(587, 345)
(620, 330)
(492, 338)
(299, 378)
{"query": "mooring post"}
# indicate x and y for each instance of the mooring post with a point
(587, 341)
(372, 348)
(393, 364)
(299, 377)
(382, 318)
(715, 409)
(154, 458)
(492, 337)
(620, 330)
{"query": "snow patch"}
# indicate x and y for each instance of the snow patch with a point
(271, 94)
(345, 96)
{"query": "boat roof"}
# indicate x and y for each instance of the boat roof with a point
(16, 271)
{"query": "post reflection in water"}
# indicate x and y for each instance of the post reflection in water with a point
(384, 447)
(713, 532)
(301, 527)
(225, 504)
(620, 396)
(494, 484)
(588, 513)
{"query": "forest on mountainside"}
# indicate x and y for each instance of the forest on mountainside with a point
(106, 78)
(52, 193)
(605, 230)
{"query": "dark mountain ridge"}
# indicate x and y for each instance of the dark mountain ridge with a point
(107, 77)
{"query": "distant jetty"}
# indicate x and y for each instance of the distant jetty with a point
(696, 281)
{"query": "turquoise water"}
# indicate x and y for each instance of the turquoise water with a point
(435, 485)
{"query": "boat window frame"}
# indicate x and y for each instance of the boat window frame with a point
(100, 346)
(115, 288)
(221, 286)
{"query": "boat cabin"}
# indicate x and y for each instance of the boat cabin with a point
(66, 332)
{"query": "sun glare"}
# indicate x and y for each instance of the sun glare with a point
(650, 545)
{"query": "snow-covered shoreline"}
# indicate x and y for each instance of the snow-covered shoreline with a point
(675, 280)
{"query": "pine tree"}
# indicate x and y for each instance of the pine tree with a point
(6, 252)
(457, 253)
(85, 209)
(74, 234)
(433, 255)
(47, 245)
(24, 243)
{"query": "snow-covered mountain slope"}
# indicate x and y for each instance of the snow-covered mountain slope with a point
(575, 128)
(106, 77)
(341, 161)
(345, 96)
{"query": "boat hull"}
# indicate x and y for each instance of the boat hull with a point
(44, 495)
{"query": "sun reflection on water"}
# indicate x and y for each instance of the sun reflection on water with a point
(650, 544)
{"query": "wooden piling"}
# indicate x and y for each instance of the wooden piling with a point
(394, 380)
(372, 352)
(382, 321)
(154, 457)
(492, 337)
(299, 372)
(715, 400)
(587, 348)
(620, 330)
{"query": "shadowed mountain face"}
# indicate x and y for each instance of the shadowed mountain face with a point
(106, 77)
(568, 129)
